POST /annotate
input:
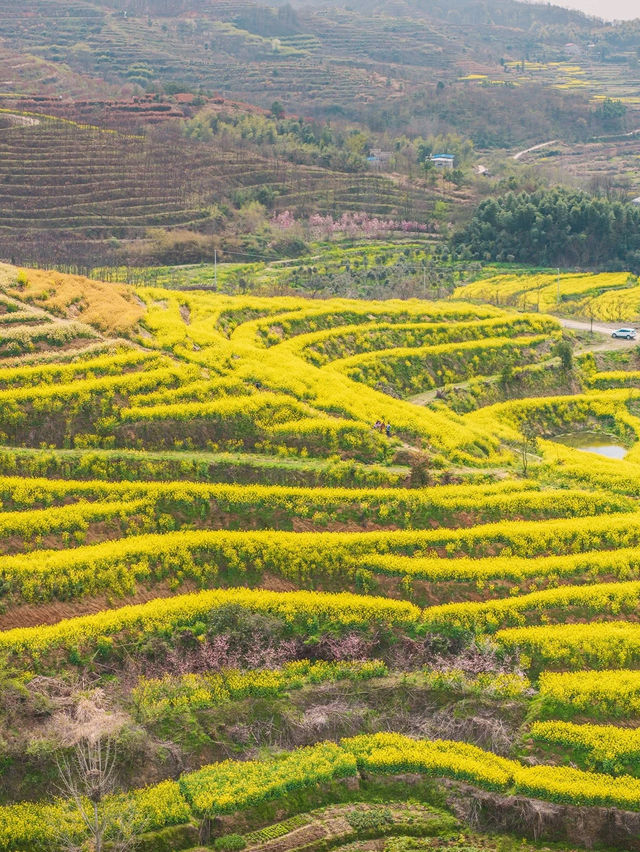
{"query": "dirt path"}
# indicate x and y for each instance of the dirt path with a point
(430, 395)
(534, 148)
(617, 136)
(601, 329)
(51, 612)
(598, 327)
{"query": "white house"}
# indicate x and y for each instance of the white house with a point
(443, 161)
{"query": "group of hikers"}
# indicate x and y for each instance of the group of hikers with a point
(381, 426)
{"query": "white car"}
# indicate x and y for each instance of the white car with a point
(627, 333)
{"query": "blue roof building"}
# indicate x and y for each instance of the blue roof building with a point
(445, 160)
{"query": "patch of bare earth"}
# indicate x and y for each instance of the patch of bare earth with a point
(35, 614)
(273, 583)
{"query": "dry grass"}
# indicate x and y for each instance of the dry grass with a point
(111, 308)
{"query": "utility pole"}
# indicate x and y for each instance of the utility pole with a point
(215, 268)
(558, 288)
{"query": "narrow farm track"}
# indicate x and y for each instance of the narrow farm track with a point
(431, 395)
(436, 393)
(538, 147)
(597, 328)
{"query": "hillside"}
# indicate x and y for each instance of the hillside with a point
(293, 625)
(319, 454)
(79, 195)
(323, 60)
(222, 116)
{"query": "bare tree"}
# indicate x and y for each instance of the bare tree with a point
(87, 777)
(88, 780)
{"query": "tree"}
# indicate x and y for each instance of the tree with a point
(529, 443)
(611, 113)
(88, 778)
(277, 109)
(557, 227)
(87, 765)
(455, 176)
(358, 143)
(423, 152)
(564, 351)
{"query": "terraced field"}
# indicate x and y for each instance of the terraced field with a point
(79, 195)
(608, 296)
(298, 628)
(220, 48)
(325, 59)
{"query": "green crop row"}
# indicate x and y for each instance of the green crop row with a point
(81, 370)
(600, 645)
(335, 344)
(324, 559)
(73, 519)
(274, 505)
(603, 748)
(234, 786)
(307, 558)
(565, 602)
(157, 698)
(623, 563)
(413, 370)
(298, 613)
(307, 319)
(303, 614)
(172, 466)
(613, 693)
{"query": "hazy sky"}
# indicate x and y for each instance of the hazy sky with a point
(607, 9)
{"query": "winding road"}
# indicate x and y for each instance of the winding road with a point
(533, 148)
(578, 325)
(598, 327)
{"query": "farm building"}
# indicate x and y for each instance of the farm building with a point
(378, 157)
(444, 161)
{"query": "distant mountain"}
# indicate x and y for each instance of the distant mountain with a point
(347, 58)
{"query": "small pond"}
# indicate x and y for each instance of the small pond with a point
(594, 442)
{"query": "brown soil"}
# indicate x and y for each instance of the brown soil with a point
(305, 525)
(297, 839)
(273, 583)
(33, 614)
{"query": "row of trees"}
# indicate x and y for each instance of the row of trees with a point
(557, 227)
